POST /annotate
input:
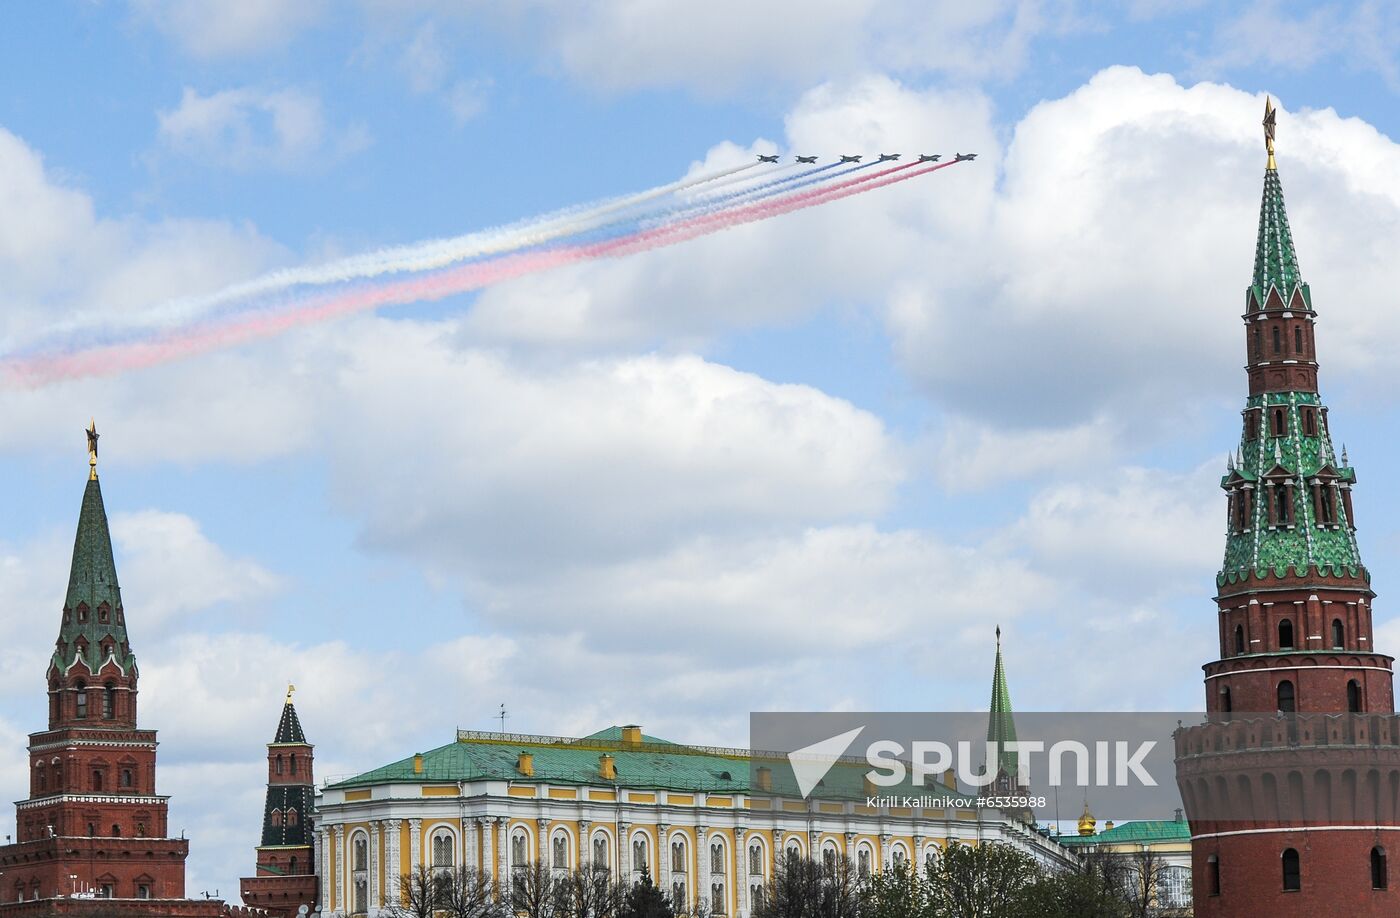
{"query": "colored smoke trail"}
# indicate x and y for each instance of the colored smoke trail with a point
(429, 286)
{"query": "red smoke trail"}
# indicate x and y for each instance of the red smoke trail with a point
(110, 359)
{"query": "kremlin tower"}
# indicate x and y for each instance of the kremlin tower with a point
(1292, 788)
(93, 826)
(285, 875)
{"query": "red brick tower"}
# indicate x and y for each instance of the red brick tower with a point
(1293, 787)
(285, 875)
(93, 824)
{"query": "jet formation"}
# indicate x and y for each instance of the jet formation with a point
(883, 158)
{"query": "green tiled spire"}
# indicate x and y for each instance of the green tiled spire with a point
(92, 608)
(1001, 726)
(1275, 258)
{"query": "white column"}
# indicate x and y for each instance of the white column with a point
(585, 847)
(323, 854)
(373, 904)
(702, 865)
(542, 838)
(741, 871)
(661, 871)
(468, 827)
(341, 885)
(916, 860)
(488, 866)
(884, 852)
(393, 863)
(502, 849)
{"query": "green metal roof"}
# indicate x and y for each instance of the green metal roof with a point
(92, 582)
(1146, 831)
(654, 764)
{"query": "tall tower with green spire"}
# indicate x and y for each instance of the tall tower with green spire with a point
(93, 822)
(1291, 787)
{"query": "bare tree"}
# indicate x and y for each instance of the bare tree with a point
(534, 892)
(589, 893)
(465, 892)
(419, 894)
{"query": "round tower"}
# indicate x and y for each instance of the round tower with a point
(1292, 787)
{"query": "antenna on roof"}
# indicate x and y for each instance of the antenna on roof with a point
(503, 715)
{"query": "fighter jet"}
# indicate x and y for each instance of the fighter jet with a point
(964, 156)
(929, 157)
(888, 157)
(806, 159)
(848, 158)
(768, 159)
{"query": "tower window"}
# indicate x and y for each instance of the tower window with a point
(1279, 425)
(1226, 705)
(116, 831)
(1285, 634)
(279, 764)
(1258, 347)
(1278, 341)
(291, 816)
(293, 763)
(1251, 424)
(1298, 339)
(1380, 878)
(275, 817)
(1292, 870)
(1338, 634)
(97, 779)
(1353, 697)
(1287, 700)
(126, 779)
(109, 701)
(81, 689)
(1309, 422)
(1239, 639)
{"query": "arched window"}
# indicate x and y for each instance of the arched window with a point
(1292, 870)
(126, 777)
(1353, 696)
(1278, 340)
(116, 831)
(1239, 639)
(275, 817)
(1285, 634)
(898, 857)
(829, 858)
(1174, 887)
(1287, 702)
(717, 903)
(109, 701)
(292, 866)
(1279, 426)
(600, 852)
(81, 699)
(756, 859)
(293, 759)
(678, 857)
(140, 830)
(443, 849)
(1297, 339)
(1380, 876)
(41, 778)
(1309, 422)
(291, 817)
(863, 862)
(518, 847)
(639, 855)
(1227, 705)
(1213, 875)
(1338, 634)
(559, 851)
(717, 859)
(279, 763)
(930, 857)
(359, 865)
(97, 779)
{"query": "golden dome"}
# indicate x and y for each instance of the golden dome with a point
(1087, 822)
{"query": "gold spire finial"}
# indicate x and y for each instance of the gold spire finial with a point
(1269, 114)
(290, 689)
(92, 436)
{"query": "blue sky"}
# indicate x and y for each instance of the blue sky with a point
(810, 463)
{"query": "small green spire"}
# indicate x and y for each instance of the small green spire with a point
(1001, 726)
(1275, 259)
(92, 608)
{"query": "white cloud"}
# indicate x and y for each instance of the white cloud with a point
(250, 128)
(169, 562)
(215, 28)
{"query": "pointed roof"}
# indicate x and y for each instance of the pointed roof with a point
(1275, 258)
(1001, 726)
(289, 726)
(92, 583)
